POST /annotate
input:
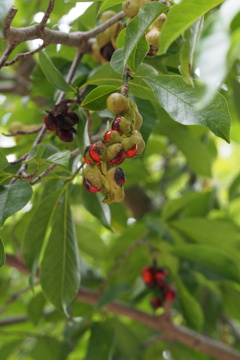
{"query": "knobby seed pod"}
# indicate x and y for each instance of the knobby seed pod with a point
(122, 125)
(117, 104)
(92, 179)
(131, 7)
(97, 151)
(112, 137)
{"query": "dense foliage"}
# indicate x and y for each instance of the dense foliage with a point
(85, 274)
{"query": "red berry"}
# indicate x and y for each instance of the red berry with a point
(118, 159)
(65, 135)
(148, 275)
(156, 303)
(119, 176)
(130, 153)
(89, 187)
(86, 156)
(94, 152)
(116, 123)
(107, 136)
(170, 294)
(50, 122)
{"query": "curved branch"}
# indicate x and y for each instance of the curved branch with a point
(160, 323)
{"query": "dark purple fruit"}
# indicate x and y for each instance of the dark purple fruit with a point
(66, 135)
(50, 122)
(119, 176)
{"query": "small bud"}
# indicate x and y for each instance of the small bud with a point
(50, 122)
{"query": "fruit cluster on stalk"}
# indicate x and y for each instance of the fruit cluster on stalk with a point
(155, 278)
(122, 141)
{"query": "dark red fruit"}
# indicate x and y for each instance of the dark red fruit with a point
(116, 123)
(107, 136)
(118, 159)
(119, 176)
(156, 302)
(94, 152)
(148, 275)
(89, 187)
(170, 294)
(50, 122)
(130, 153)
(65, 135)
(71, 117)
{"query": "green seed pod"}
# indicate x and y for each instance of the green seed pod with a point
(137, 137)
(112, 137)
(115, 196)
(113, 151)
(117, 104)
(106, 15)
(138, 121)
(158, 23)
(131, 7)
(152, 37)
(114, 193)
(128, 143)
(93, 175)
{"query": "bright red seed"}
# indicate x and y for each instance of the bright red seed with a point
(89, 187)
(170, 294)
(116, 123)
(87, 161)
(148, 275)
(94, 152)
(130, 153)
(107, 136)
(118, 159)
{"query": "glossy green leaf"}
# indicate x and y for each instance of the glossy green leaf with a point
(60, 272)
(214, 44)
(138, 26)
(96, 99)
(96, 249)
(52, 74)
(175, 25)
(2, 253)
(8, 349)
(116, 60)
(178, 99)
(197, 154)
(108, 4)
(113, 292)
(138, 54)
(3, 160)
(191, 308)
(101, 342)
(36, 230)
(94, 205)
(13, 198)
(191, 37)
(60, 158)
(212, 258)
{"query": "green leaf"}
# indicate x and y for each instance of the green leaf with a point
(214, 44)
(96, 99)
(101, 342)
(175, 25)
(138, 26)
(2, 254)
(197, 154)
(215, 259)
(178, 100)
(60, 272)
(3, 160)
(113, 292)
(60, 158)
(36, 230)
(13, 198)
(191, 308)
(52, 73)
(93, 204)
(173, 207)
(35, 308)
(108, 4)
(116, 60)
(49, 348)
(191, 38)
(96, 249)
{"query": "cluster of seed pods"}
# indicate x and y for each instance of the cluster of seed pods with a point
(153, 34)
(155, 278)
(61, 120)
(122, 141)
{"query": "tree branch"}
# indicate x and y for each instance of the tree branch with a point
(161, 323)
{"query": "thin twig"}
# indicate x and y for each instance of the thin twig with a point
(6, 54)
(18, 161)
(21, 132)
(8, 20)
(46, 15)
(25, 55)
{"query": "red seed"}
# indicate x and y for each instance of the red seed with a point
(119, 176)
(65, 135)
(130, 153)
(87, 161)
(50, 122)
(94, 152)
(107, 136)
(170, 294)
(148, 275)
(118, 159)
(89, 187)
(156, 302)
(116, 123)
